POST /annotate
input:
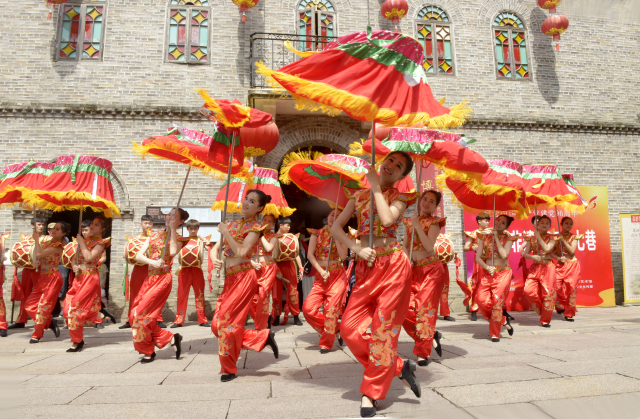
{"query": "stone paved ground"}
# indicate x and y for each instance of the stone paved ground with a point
(586, 369)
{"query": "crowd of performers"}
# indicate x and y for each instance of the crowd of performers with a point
(261, 261)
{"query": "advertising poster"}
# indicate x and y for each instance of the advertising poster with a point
(595, 289)
(630, 227)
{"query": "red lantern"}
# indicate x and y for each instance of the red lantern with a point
(245, 5)
(555, 26)
(259, 141)
(51, 4)
(394, 10)
(549, 4)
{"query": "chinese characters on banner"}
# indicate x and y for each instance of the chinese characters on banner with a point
(630, 227)
(595, 287)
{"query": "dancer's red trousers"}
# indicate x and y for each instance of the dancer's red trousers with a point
(567, 278)
(427, 282)
(146, 309)
(138, 275)
(82, 305)
(42, 300)
(492, 292)
(540, 289)
(28, 282)
(240, 286)
(288, 269)
(475, 282)
(190, 277)
(380, 299)
(444, 297)
(329, 295)
(3, 309)
(259, 310)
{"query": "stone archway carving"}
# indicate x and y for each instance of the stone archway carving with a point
(310, 131)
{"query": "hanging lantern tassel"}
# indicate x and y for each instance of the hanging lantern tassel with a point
(244, 9)
(245, 5)
(555, 26)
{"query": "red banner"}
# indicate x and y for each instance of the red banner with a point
(595, 288)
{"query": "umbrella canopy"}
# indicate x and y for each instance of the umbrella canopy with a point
(371, 76)
(501, 185)
(77, 181)
(546, 189)
(578, 205)
(324, 176)
(265, 180)
(190, 147)
(20, 180)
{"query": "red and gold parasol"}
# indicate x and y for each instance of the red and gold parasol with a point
(265, 180)
(19, 180)
(546, 189)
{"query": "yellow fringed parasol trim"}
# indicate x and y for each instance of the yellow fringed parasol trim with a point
(213, 106)
(269, 209)
(31, 198)
(304, 54)
(293, 157)
(361, 108)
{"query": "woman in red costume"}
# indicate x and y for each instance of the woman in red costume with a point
(494, 277)
(44, 296)
(240, 286)
(567, 270)
(147, 334)
(540, 285)
(330, 286)
(427, 277)
(82, 305)
(471, 245)
(286, 273)
(380, 297)
(266, 275)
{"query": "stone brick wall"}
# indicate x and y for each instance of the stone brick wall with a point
(579, 110)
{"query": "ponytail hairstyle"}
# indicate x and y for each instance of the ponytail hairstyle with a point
(263, 198)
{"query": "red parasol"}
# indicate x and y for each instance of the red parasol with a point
(21, 179)
(545, 186)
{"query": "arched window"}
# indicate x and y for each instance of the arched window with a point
(434, 31)
(188, 32)
(511, 56)
(316, 18)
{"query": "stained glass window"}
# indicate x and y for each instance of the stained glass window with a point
(85, 21)
(510, 38)
(316, 18)
(188, 32)
(434, 32)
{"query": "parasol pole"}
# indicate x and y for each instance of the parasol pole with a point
(79, 230)
(559, 233)
(334, 219)
(413, 230)
(493, 237)
(226, 198)
(373, 166)
(166, 239)
(536, 225)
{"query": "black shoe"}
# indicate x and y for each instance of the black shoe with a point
(423, 362)
(271, 342)
(161, 325)
(474, 316)
(99, 326)
(560, 311)
(368, 412)
(546, 325)
(16, 326)
(205, 324)
(269, 321)
(3, 333)
(125, 326)
(34, 340)
(436, 338)
(324, 351)
(77, 348)
(296, 321)
(177, 342)
(227, 377)
(276, 321)
(507, 315)
(408, 375)
(173, 326)
(108, 315)
(148, 360)
(340, 341)
(54, 328)
(449, 319)
(569, 319)
(509, 327)
(495, 339)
